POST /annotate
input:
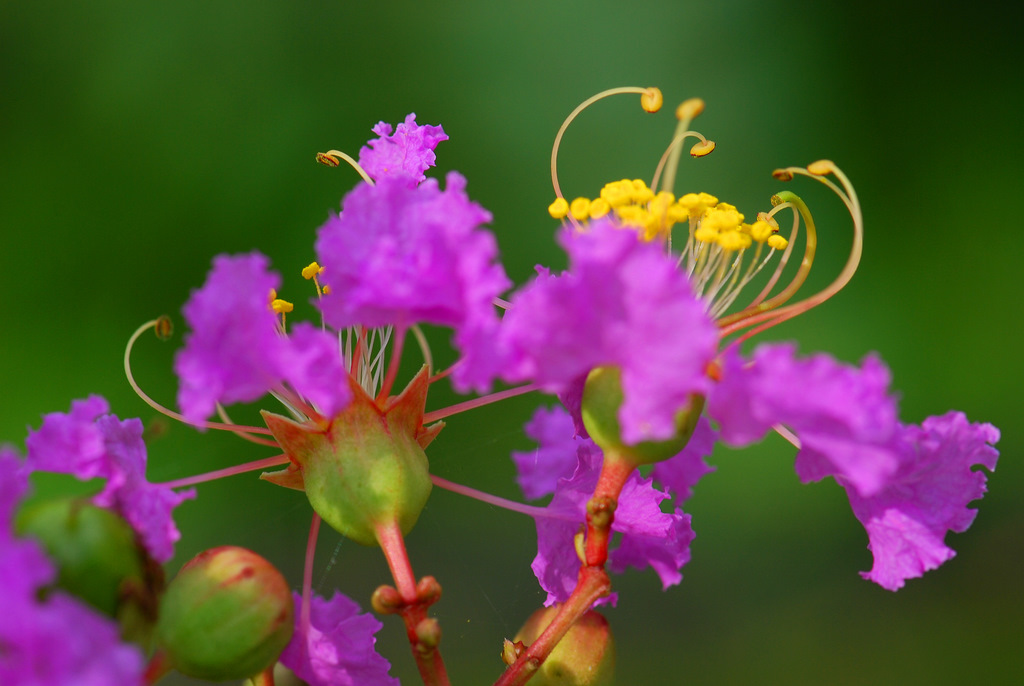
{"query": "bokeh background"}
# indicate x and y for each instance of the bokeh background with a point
(138, 140)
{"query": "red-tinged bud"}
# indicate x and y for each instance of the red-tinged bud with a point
(98, 560)
(584, 657)
(602, 398)
(367, 468)
(227, 615)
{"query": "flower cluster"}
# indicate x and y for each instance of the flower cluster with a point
(640, 338)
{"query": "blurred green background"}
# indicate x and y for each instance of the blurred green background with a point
(138, 140)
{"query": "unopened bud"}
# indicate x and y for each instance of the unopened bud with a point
(584, 657)
(227, 615)
(98, 559)
(602, 398)
(428, 591)
(386, 600)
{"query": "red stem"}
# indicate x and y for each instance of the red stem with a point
(593, 581)
(414, 609)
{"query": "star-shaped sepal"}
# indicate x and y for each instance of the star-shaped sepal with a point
(367, 467)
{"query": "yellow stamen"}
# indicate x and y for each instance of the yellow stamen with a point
(163, 328)
(332, 158)
(558, 209)
(580, 209)
(651, 99)
(310, 272)
(281, 306)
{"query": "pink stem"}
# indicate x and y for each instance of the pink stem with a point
(227, 471)
(475, 402)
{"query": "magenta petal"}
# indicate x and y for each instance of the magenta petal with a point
(315, 369)
(340, 647)
(233, 353)
(406, 154)
(622, 303)
(843, 415)
(555, 456)
(907, 521)
(147, 507)
(70, 443)
(681, 473)
(399, 256)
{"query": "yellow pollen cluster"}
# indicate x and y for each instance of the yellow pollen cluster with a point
(654, 214)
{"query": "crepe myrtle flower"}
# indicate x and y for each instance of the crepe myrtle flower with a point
(404, 251)
(642, 331)
(48, 636)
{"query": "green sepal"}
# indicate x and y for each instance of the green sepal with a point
(602, 398)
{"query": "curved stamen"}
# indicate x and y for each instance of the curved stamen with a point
(227, 471)
(672, 151)
(421, 340)
(650, 98)
(815, 171)
(784, 197)
(161, 325)
(330, 159)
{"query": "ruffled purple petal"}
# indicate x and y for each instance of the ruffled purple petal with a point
(406, 154)
(555, 456)
(843, 415)
(235, 352)
(927, 496)
(679, 474)
(398, 256)
(339, 650)
(623, 303)
(87, 445)
(71, 443)
(649, 537)
(59, 640)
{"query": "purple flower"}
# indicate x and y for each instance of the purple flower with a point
(622, 303)
(649, 537)
(58, 640)
(908, 485)
(339, 649)
(237, 353)
(398, 256)
(406, 154)
(679, 474)
(89, 443)
(927, 496)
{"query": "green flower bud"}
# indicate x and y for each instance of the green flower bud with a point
(602, 398)
(98, 560)
(367, 467)
(228, 614)
(584, 657)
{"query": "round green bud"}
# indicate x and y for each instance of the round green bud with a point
(227, 615)
(98, 559)
(584, 657)
(602, 398)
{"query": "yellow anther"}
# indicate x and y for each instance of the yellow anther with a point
(599, 208)
(327, 159)
(724, 217)
(706, 234)
(761, 230)
(281, 306)
(660, 204)
(782, 175)
(821, 167)
(702, 148)
(631, 215)
(311, 270)
(688, 109)
(273, 295)
(559, 208)
(617, 193)
(696, 203)
(677, 213)
(733, 240)
(580, 209)
(163, 327)
(641, 194)
(651, 99)
(327, 289)
(777, 242)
